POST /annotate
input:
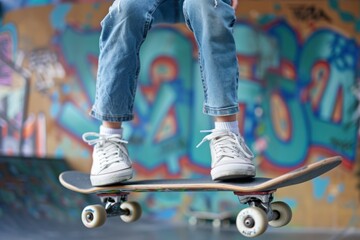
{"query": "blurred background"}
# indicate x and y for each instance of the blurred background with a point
(299, 94)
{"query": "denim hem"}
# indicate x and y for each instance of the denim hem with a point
(108, 118)
(221, 111)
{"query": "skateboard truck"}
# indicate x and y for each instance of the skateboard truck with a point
(114, 204)
(260, 200)
(261, 212)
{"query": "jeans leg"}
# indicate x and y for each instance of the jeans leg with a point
(124, 29)
(212, 23)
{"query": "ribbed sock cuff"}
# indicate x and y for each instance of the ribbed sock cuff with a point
(108, 131)
(231, 126)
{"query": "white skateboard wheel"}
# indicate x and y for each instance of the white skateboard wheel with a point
(133, 209)
(93, 216)
(283, 214)
(252, 222)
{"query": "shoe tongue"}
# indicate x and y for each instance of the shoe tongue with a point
(226, 142)
(225, 135)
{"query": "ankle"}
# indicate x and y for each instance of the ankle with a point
(112, 124)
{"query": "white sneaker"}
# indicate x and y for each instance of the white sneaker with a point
(230, 157)
(111, 162)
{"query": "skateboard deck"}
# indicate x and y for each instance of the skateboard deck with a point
(256, 192)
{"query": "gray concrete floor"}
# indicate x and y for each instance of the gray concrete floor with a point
(23, 228)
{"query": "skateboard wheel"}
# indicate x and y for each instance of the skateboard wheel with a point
(251, 222)
(282, 213)
(93, 216)
(216, 223)
(133, 211)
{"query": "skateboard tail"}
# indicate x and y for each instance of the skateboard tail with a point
(302, 174)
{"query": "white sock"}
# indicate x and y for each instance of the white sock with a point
(231, 126)
(108, 131)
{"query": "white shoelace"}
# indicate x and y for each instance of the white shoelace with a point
(110, 148)
(227, 144)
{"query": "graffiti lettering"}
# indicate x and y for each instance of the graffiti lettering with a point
(32, 133)
(6, 51)
(309, 13)
(342, 145)
(46, 67)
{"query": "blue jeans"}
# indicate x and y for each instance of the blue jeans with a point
(125, 28)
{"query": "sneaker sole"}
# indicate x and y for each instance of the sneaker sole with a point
(233, 171)
(111, 178)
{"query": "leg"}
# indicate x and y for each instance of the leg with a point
(229, 118)
(140, 15)
(113, 125)
(124, 29)
(212, 22)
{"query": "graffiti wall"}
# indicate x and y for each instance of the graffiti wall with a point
(298, 96)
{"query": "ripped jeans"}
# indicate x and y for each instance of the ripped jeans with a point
(125, 28)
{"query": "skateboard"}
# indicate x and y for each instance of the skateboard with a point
(216, 219)
(257, 193)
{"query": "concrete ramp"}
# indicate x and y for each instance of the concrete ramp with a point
(30, 192)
